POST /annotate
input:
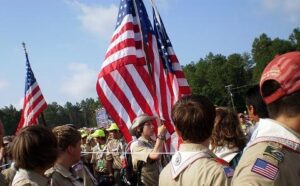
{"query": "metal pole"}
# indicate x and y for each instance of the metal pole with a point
(228, 87)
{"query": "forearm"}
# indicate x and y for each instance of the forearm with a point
(155, 154)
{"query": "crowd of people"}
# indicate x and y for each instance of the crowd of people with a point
(218, 146)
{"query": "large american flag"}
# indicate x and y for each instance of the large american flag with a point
(34, 103)
(134, 78)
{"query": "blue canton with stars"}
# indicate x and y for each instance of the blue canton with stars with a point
(128, 7)
(163, 41)
(30, 79)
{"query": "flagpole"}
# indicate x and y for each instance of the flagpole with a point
(26, 54)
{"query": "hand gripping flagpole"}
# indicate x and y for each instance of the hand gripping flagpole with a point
(27, 59)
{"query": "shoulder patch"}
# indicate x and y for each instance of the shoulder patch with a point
(274, 152)
(265, 169)
(228, 172)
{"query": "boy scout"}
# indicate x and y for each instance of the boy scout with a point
(194, 164)
(146, 150)
(272, 156)
(115, 149)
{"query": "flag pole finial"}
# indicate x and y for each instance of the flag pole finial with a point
(24, 47)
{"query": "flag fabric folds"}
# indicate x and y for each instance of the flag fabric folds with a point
(34, 103)
(136, 76)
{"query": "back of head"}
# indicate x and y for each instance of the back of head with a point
(66, 135)
(253, 98)
(194, 117)
(280, 85)
(227, 130)
(34, 147)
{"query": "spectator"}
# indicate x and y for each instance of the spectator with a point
(146, 153)
(34, 150)
(256, 108)
(194, 163)
(227, 139)
(273, 156)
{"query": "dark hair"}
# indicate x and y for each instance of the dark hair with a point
(194, 117)
(227, 130)
(253, 98)
(288, 105)
(66, 135)
(34, 146)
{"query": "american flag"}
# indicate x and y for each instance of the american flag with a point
(132, 79)
(34, 103)
(265, 169)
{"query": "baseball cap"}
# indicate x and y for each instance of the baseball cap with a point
(98, 133)
(112, 127)
(284, 69)
(143, 118)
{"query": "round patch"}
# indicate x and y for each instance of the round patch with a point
(177, 159)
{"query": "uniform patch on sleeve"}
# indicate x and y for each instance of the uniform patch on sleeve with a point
(265, 169)
(228, 172)
(274, 153)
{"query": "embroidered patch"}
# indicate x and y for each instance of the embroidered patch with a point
(228, 172)
(274, 153)
(177, 159)
(265, 169)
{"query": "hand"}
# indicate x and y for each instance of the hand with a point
(161, 130)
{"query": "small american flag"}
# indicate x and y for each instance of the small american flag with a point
(34, 103)
(265, 169)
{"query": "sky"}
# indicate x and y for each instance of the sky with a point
(66, 39)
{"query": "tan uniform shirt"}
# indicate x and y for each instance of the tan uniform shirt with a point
(86, 156)
(203, 171)
(284, 166)
(269, 163)
(99, 158)
(140, 152)
(30, 178)
(61, 176)
(9, 175)
(115, 149)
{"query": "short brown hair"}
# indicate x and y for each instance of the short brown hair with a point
(66, 135)
(227, 130)
(194, 117)
(34, 146)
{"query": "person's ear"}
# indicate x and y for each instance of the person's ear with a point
(252, 110)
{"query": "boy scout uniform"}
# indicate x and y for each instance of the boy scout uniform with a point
(98, 159)
(271, 158)
(195, 165)
(62, 176)
(25, 177)
(140, 152)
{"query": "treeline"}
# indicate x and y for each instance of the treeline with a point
(220, 77)
(209, 76)
(80, 114)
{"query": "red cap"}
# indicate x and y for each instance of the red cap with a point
(285, 69)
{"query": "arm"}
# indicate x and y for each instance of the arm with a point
(155, 153)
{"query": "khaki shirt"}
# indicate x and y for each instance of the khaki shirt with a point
(30, 178)
(285, 166)
(203, 171)
(99, 158)
(8, 175)
(86, 148)
(115, 149)
(140, 152)
(61, 176)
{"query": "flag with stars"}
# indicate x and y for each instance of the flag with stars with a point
(132, 79)
(34, 103)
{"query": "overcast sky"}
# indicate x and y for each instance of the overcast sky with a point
(67, 39)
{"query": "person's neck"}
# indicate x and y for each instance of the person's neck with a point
(64, 161)
(146, 137)
(40, 170)
(291, 122)
(204, 143)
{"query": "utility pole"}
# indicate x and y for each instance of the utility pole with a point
(228, 87)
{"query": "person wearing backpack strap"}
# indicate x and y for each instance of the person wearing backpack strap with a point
(146, 152)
